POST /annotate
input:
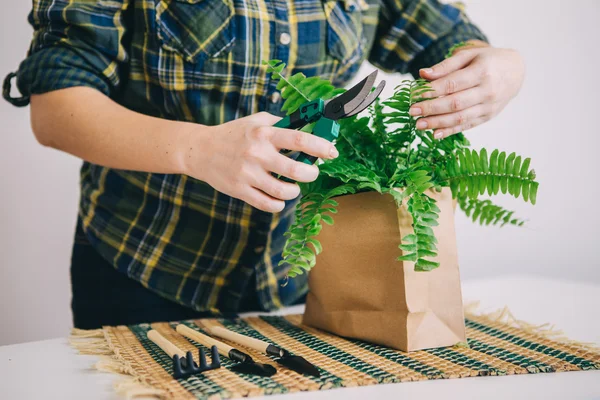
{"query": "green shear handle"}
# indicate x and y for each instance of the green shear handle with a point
(308, 113)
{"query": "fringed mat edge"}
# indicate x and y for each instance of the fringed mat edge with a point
(548, 331)
(97, 342)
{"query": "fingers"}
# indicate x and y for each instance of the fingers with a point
(262, 201)
(460, 118)
(282, 165)
(445, 132)
(276, 188)
(302, 141)
(449, 65)
(453, 83)
(445, 105)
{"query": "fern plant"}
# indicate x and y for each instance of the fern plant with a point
(386, 153)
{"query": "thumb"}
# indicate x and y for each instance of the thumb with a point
(457, 61)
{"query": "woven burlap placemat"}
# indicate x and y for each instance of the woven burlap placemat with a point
(497, 345)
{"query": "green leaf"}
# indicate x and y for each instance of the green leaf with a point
(525, 168)
(424, 230)
(483, 156)
(490, 184)
(463, 185)
(426, 253)
(408, 257)
(469, 160)
(501, 162)
(327, 219)
(516, 167)
(509, 163)
(486, 213)
(408, 247)
(464, 168)
(533, 192)
(473, 187)
(429, 222)
(517, 187)
(425, 265)
(503, 184)
(495, 184)
(452, 166)
(476, 163)
(411, 238)
(494, 162)
(525, 190)
(482, 184)
(317, 245)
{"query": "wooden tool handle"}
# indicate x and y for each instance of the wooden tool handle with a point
(164, 344)
(246, 341)
(201, 338)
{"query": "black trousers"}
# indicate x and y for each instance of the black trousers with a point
(104, 296)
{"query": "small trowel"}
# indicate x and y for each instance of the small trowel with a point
(282, 356)
(246, 365)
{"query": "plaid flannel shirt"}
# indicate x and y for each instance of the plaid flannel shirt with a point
(200, 60)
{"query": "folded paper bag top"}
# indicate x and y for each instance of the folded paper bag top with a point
(359, 290)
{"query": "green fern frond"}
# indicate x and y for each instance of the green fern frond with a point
(405, 95)
(378, 118)
(298, 89)
(302, 247)
(470, 173)
(487, 213)
(386, 152)
(349, 171)
(421, 244)
(357, 142)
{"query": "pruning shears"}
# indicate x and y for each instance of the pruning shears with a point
(326, 113)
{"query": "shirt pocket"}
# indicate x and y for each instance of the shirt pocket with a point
(196, 29)
(351, 26)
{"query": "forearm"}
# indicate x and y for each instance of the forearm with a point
(87, 124)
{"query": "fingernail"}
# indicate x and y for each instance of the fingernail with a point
(438, 134)
(427, 70)
(333, 153)
(415, 111)
(422, 124)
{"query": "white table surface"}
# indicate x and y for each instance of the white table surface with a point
(571, 306)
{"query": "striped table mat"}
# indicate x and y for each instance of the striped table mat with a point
(494, 348)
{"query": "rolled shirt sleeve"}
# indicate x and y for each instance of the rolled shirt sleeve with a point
(414, 34)
(75, 43)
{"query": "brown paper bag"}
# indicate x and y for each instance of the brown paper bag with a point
(359, 290)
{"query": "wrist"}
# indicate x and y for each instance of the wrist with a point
(191, 157)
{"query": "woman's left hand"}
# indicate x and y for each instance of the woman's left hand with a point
(470, 88)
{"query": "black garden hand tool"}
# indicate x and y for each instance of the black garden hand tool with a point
(246, 365)
(326, 113)
(183, 363)
(282, 356)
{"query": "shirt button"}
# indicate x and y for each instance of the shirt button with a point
(285, 38)
(275, 97)
(259, 249)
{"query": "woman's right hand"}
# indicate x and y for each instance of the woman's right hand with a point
(238, 157)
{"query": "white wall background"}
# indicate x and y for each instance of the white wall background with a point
(553, 121)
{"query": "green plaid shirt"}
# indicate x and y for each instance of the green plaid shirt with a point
(200, 60)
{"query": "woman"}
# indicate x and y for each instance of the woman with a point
(171, 109)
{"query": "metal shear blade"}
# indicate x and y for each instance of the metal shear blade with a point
(354, 100)
(368, 100)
